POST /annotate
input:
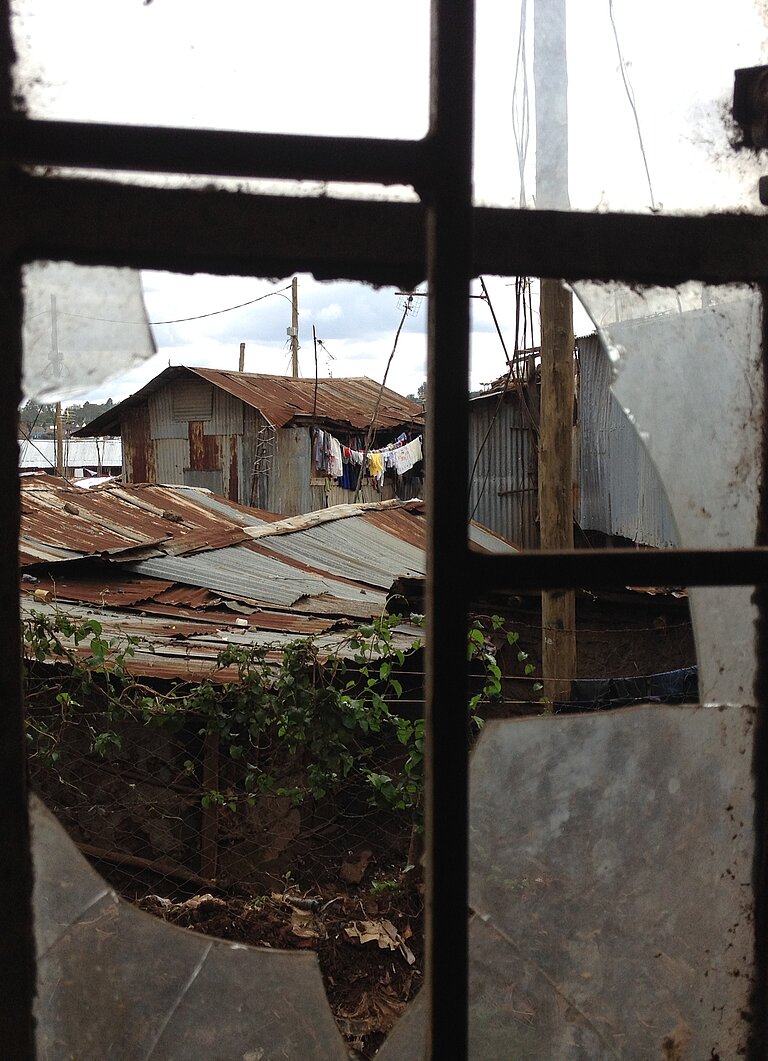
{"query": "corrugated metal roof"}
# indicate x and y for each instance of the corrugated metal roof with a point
(171, 648)
(346, 402)
(312, 575)
(352, 548)
(245, 574)
(61, 522)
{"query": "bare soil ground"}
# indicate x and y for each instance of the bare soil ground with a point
(369, 943)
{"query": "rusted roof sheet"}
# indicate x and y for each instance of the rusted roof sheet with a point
(349, 402)
(110, 586)
(311, 575)
(60, 522)
(175, 649)
(265, 580)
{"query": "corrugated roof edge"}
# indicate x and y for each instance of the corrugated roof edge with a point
(109, 422)
(329, 515)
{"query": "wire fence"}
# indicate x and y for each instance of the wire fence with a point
(306, 776)
(166, 808)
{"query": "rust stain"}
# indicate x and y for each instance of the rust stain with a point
(138, 456)
(234, 485)
(204, 450)
(117, 518)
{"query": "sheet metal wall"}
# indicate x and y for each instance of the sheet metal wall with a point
(620, 489)
(139, 464)
(620, 492)
(256, 459)
(241, 454)
(172, 457)
(289, 490)
(325, 496)
(504, 490)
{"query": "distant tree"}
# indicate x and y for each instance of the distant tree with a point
(38, 420)
(421, 393)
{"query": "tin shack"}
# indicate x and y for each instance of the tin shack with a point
(274, 442)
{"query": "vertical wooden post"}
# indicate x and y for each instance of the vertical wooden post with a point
(209, 824)
(241, 363)
(56, 363)
(59, 432)
(295, 328)
(558, 608)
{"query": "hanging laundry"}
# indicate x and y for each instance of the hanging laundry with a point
(335, 463)
(318, 449)
(402, 460)
(349, 478)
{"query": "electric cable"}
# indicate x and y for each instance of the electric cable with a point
(179, 320)
(631, 97)
(521, 104)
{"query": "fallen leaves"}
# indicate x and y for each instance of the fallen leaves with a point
(383, 933)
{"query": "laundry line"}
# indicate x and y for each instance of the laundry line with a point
(342, 462)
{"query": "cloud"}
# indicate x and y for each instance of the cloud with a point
(334, 312)
(355, 324)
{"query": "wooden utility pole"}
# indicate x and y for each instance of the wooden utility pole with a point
(241, 364)
(558, 607)
(295, 328)
(314, 343)
(56, 363)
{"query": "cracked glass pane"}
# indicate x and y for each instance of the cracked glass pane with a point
(686, 370)
(82, 326)
(116, 982)
(634, 104)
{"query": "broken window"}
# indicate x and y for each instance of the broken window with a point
(116, 225)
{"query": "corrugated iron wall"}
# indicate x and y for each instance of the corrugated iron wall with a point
(504, 490)
(256, 448)
(620, 489)
(289, 489)
(620, 492)
(236, 453)
(161, 421)
(172, 458)
(139, 463)
(227, 416)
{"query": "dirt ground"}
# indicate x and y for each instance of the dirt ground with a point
(369, 943)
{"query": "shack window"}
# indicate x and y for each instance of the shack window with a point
(192, 400)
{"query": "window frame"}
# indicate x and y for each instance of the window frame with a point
(445, 240)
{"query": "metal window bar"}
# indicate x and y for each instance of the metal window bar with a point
(55, 217)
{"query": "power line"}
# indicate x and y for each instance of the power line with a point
(631, 97)
(179, 320)
(521, 104)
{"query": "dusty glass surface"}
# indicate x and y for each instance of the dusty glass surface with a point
(649, 94)
(611, 861)
(115, 982)
(334, 69)
(610, 884)
(82, 326)
(687, 370)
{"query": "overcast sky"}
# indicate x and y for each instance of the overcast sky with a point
(345, 67)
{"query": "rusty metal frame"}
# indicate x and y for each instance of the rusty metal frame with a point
(103, 221)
